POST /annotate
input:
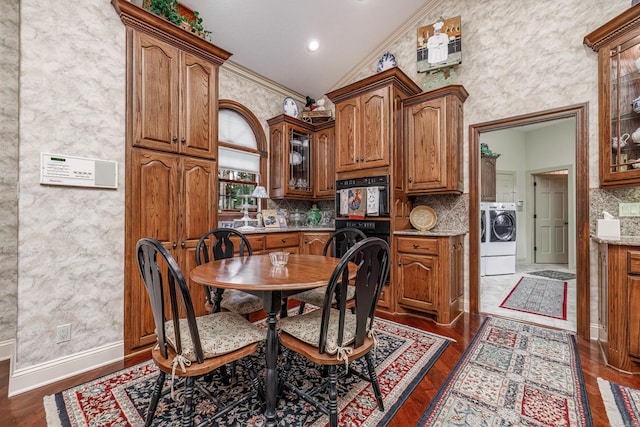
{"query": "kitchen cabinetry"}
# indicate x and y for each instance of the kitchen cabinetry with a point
(619, 320)
(313, 243)
(172, 199)
(366, 122)
(617, 43)
(291, 158)
(433, 134)
(171, 136)
(324, 162)
(429, 276)
(488, 178)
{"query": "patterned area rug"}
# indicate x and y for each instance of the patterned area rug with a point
(513, 374)
(553, 274)
(403, 356)
(622, 403)
(537, 295)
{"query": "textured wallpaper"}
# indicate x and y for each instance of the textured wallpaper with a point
(518, 57)
(9, 57)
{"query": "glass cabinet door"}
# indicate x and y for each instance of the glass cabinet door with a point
(300, 175)
(622, 152)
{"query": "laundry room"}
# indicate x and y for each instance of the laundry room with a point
(527, 213)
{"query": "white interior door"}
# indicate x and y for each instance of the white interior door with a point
(551, 218)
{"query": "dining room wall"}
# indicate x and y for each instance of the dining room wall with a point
(518, 57)
(9, 78)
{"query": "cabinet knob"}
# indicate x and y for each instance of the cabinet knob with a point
(183, 140)
(410, 179)
(183, 245)
(399, 264)
(283, 240)
(362, 159)
(416, 246)
(357, 159)
(175, 245)
(306, 241)
(174, 139)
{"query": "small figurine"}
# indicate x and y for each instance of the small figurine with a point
(311, 104)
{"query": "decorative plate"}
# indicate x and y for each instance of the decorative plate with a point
(295, 158)
(387, 60)
(423, 218)
(290, 107)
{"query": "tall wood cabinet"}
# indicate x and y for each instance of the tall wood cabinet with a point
(325, 166)
(619, 319)
(433, 132)
(171, 168)
(367, 122)
(617, 43)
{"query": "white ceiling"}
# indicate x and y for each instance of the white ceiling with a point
(269, 37)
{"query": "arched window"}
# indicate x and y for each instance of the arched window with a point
(242, 158)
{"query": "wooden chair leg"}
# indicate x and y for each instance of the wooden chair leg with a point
(301, 307)
(374, 381)
(155, 397)
(333, 396)
(188, 412)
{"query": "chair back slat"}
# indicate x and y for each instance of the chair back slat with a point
(222, 245)
(341, 241)
(150, 255)
(371, 259)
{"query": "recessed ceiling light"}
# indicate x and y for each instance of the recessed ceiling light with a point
(313, 45)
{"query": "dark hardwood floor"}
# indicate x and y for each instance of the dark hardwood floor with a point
(26, 409)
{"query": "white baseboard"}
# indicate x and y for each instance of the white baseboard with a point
(49, 372)
(7, 349)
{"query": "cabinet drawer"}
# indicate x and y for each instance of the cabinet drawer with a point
(634, 262)
(418, 245)
(282, 240)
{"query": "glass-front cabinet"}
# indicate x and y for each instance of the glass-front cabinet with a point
(618, 45)
(291, 158)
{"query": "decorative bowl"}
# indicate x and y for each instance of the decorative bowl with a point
(279, 259)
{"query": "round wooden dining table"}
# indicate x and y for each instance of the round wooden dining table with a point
(256, 275)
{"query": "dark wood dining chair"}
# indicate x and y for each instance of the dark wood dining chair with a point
(337, 245)
(330, 336)
(191, 347)
(221, 243)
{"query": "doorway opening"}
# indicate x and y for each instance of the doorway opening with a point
(581, 225)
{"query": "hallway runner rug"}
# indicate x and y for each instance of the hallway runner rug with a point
(513, 374)
(622, 403)
(553, 274)
(402, 358)
(537, 295)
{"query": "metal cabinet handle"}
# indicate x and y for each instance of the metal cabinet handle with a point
(183, 140)
(399, 264)
(175, 245)
(283, 240)
(174, 139)
(183, 245)
(362, 159)
(357, 159)
(410, 179)
(416, 246)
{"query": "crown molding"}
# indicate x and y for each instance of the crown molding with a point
(429, 6)
(250, 75)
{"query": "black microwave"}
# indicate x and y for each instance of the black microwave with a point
(380, 196)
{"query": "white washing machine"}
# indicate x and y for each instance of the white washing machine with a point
(500, 245)
(484, 236)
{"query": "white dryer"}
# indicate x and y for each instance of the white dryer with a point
(500, 248)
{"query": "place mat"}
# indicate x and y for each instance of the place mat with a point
(402, 358)
(538, 295)
(553, 274)
(622, 403)
(514, 374)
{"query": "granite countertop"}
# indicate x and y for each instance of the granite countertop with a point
(433, 233)
(621, 241)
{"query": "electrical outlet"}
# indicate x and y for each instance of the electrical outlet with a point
(63, 333)
(629, 209)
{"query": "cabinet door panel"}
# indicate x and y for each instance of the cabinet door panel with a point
(198, 130)
(375, 139)
(313, 243)
(347, 135)
(425, 125)
(418, 279)
(634, 316)
(198, 199)
(325, 164)
(155, 94)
